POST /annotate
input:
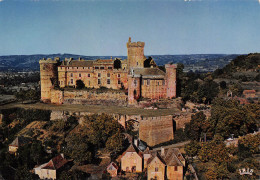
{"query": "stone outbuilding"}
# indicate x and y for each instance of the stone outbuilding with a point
(112, 169)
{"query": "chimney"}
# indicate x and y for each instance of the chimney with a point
(162, 151)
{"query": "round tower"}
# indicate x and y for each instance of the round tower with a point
(135, 54)
(49, 77)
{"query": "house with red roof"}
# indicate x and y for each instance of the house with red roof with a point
(49, 169)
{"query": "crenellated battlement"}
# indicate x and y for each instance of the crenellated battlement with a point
(49, 60)
(134, 44)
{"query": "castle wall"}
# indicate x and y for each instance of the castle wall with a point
(57, 96)
(91, 97)
(153, 88)
(152, 130)
(93, 78)
(156, 130)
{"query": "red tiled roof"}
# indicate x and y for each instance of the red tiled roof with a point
(249, 91)
(56, 162)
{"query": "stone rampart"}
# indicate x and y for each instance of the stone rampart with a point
(156, 130)
(152, 130)
(90, 97)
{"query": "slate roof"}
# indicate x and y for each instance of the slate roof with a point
(78, 63)
(148, 72)
(158, 156)
(132, 148)
(20, 141)
(171, 157)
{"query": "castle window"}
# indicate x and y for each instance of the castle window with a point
(96, 67)
(79, 75)
(71, 81)
(99, 81)
(148, 82)
(59, 82)
(83, 67)
(102, 67)
(77, 67)
(108, 74)
(156, 169)
(99, 74)
(60, 67)
(137, 63)
(135, 82)
(71, 75)
(118, 82)
(142, 82)
(163, 82)
(108, 81)
(118, 75)
(175, 168)
(109, 67)
(88, 75)
(158, 83)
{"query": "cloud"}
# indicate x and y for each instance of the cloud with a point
(1, 0)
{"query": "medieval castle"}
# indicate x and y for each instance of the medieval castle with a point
(129, 80)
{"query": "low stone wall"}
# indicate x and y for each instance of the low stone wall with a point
(152, 130)
(90, 97)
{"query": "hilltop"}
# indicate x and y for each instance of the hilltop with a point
(243, 67)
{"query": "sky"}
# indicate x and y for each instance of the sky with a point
(102, 27)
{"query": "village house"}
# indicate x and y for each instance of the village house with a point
(18, 142)
(132, 160)
(159, 164)
(50, 169)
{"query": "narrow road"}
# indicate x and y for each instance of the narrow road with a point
(181, 144)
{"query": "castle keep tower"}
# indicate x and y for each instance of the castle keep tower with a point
(48, 76)
(170, 80)
(135, 54)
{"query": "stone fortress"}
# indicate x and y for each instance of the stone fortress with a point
(126, 81)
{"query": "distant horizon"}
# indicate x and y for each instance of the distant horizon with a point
(168, 27)
(126, 55)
